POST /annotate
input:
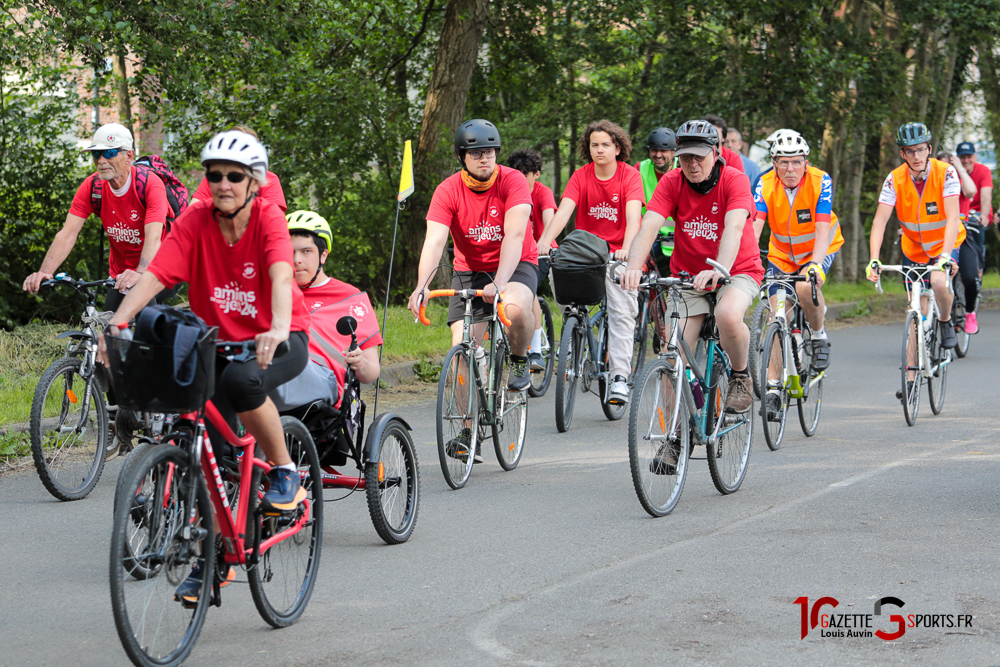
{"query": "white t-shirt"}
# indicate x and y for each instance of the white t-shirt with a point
(952, 187)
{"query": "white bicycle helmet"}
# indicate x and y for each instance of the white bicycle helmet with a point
(789, 143)
(238, 147)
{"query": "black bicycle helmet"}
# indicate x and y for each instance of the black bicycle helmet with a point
(662, 139)
(911, 134)
(474, 134)
(697, 132)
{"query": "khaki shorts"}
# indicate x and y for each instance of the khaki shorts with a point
(697, 303)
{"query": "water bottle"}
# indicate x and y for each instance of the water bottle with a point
(696, 390)
(480, 355)
(124, 332)
(157, 426)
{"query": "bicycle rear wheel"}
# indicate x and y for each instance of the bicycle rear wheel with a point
(910, 393)
(457, 417)
(772, 362)
(758, 329)
(938, 357)
(540, 380)
(729, 457)
(154, 627)
(958, 317)
(281, 583)
(68, 442)
(392, 485)
(568, 375)
(658, 485)
(812, 384)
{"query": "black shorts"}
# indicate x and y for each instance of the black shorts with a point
(526, 273)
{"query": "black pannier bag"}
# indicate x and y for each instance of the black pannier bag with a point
(578, 269)
(168, 366)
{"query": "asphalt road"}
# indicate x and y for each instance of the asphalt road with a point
(556, 563)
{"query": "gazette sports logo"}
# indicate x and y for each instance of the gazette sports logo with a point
(850, 625)
(232, 298)
(485, 232)
(702, 227)
(122, 234)
(605, 211)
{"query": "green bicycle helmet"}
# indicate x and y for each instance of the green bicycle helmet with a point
(911, 134)
(313, 223)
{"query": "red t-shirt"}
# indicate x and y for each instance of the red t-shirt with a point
(732, 159)
(124, 218)
(542, 200)
(327, 303)
(983, 178)
(476, 219)
(600, 205)
(272, 192)
(230, 286)
(700, 220)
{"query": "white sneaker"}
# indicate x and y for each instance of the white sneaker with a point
(619, 391)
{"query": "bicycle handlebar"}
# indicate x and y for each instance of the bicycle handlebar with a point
(915, 268)
(63, 279)
(465, 294)
(793, 278)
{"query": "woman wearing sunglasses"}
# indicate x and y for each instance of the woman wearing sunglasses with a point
(271, 190)
(235, 253)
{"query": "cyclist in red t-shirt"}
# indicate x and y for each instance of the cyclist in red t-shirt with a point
(711, 205)
(134, 228)
(609, 196)
(543, 209)
(485, 208)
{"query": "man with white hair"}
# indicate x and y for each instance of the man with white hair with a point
(734, 142)
(133, 212)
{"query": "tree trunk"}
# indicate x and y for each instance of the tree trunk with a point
(990, 81)
(447, 93)
(944, 91)
(637, 100)
(121, 91)
(851, 223)
(556, 170)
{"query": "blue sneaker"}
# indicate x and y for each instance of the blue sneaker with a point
(285, 492)
(187, 593)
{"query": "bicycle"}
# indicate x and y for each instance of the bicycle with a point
(578, 348)
(68, 426)
(923, 357)
(165, 513)
(662, 428)
(473, 395)
(786, 362)
(386, 458)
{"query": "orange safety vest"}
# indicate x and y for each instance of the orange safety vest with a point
(922, 216)
(793, 227)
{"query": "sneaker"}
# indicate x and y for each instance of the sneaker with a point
(772, 406)
(948, 338)
(285, 492)
(665, 461)
(740, 396)
(535, 361)
(971, 325)
(820, 354)
(187, 592)
(619, 391)
(458, 447)
(909, 390)
(518, 378)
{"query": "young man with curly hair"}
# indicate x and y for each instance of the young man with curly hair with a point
(609, 195)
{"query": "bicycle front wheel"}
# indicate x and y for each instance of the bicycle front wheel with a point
(281, 583)
(69, 430)
(774, 396)
(758, 329)
(154, 625)
(729, 445)
(938, 360)
(392, 485)
(658, 439)
(457, 417)
(568, 375)
(910, 368)
(540, 380)
(812, 402)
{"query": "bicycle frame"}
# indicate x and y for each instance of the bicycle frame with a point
(916, 291)
(791, 381)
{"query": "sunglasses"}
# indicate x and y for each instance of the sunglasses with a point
(107, 154)
(232, 176)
